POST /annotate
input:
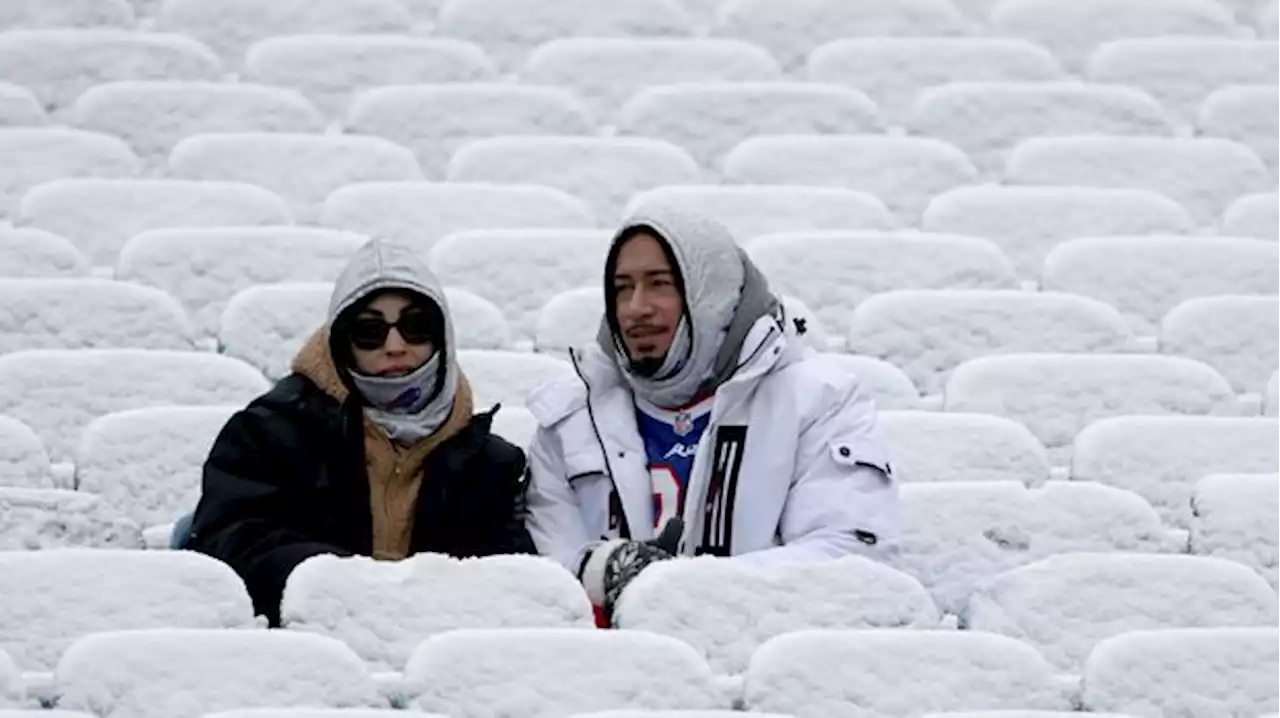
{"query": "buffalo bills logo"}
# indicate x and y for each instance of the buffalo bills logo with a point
(407, 399)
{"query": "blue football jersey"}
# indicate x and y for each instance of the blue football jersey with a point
(670, 444)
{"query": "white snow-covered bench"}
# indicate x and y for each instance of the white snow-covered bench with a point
(30, 156)
(19, 107)
(296, 712)
(18, 14)
(1237, 517)
(937, 446)
(478, 322)
(44, 519)
(1236, 335)
(886, 383)
(1255, 215)
(82, 313)
(658, 714)
(11, 689)
(1271, 407)
(569, 320)
(1245, 115)
(23, 461)
(1026, 713)
(27, 253)
(504, 377)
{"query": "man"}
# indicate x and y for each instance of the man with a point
(700, 403)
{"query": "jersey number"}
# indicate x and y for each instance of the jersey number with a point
(666, 494)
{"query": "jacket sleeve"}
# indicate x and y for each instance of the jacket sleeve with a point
(555, 519)
(507, 533)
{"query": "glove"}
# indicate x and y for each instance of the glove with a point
(608, 567)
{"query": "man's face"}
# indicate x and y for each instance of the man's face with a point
(647, 301)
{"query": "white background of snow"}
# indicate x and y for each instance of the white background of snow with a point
(1237, 336)
(42, 519)
(548, 673)
(930, 332)
(569, 319)
(1272, 405)
(26, 252)
(1228, 672)
(23, 461)
(516, 424)
(265, 325)
(885, 382)
(1026, 222)
(904, 172)
(169, 673)
(935, 446)
(319, 713)
(418, 214)
(83, 313)
(1021, 714)
(1244, 114)
(669, 714)
(726, 611)
(67, 13)
(29, 157)
(1237, 517)
(58, 392)
(10, 683)
(54, 597)
(508, 377)
(36, 713)
(19, 107)
(1161, 458)
(888, 673)
(383, 610)
(477, 322)
(1255, 215)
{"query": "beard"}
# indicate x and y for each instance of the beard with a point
(646, 366)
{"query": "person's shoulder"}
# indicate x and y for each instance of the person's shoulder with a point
(810, 370)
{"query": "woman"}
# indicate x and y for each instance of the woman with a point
(368, 448)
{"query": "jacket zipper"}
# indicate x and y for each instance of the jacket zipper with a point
(624, 528)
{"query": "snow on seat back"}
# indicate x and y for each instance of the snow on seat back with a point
(886, 383)
(265, 325)
(1146, 277)
(665, 714)
(18, 14)
(418, 214)
(716, 606)
(43, 519)
(11, 690)
(23, 461)
(27, 253)
(480, 323)
(58, 392)
(930, 332)
(296, 712)
(880, 673)
(1188, 671)
(1255, 215)
(29, 157)
(19, 107)
(893, 71)
(710, 118)
(507, 378)
(1271, 407)
(904, 172)
(1235, 335)
(1237, 517)
(183, 673)
(550, 672)
(1026, 222)
(1021, 714)
(435, 120)
(1161, 457)
(84, 313)
(1245, 115)
(1267, 19)
(603, 171)
(100, 215)
(568, 320)
(936, 446)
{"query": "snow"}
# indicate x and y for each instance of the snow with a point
(904, 172)
(266, 325)
(418, 214)
(886, 673)
(86, 313)
(31, 253)
(18, 14)
(1245, 115)
(44, 519)
(603, 171)
(1268, 19)
(59, 392)
(100, 215)
(206, 267)
(295, 712)
(184, 673)
(537, 265)
(435, 120)
(569, 319)
(934, 446)
(29, 157)
(1021, 714)
(893, 70)
(1272, 406)
(1255, 215)
(301, 168)
(383, 610)
(548, 672)
(10, 685)
(516, 424)
(19, 107)
(1146, 277)
(726, 611)
(709, 118)
(930, 332)
(1027, 222)
(23, 461)
(886, 383)
(1161, 458)
(670, 714)
(1228, 672)
(507, 377)
(1237, 336)
(1237, 517)
(478, 323)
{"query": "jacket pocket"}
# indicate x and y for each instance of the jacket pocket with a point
(852, 454)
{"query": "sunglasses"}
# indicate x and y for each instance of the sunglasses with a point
(368, 333)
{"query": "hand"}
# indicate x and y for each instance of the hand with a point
(610, 566)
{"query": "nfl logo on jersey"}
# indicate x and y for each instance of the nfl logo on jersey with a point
(684, 424)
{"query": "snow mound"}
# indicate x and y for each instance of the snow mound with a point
(1235, 516)
(29, 157)
(516, 424)
(1161, 458)
(603, 171)
(41, 713)
(1255, 215)
(1268, 19)
(548, 672)
(184, 673)
(58, 392)
(1202, 174)
(709, 118)
(147, 463)
(418, 214)
(884, 673)
(295, 712)
(1027, 222)
(384, 610)
(478, 323)
(886, 383)
(1245, 115)
(23, 461)
(100, 215)
(1146, 277)
(57, 596)
(933, 446)
(725, 610)
(435, 120)
(206, 267)
(10, 687)
(1272, 407)
(930, 332)
(266, 325)
(893, 71)
(507, 377)
(1190, 672)
(569, 320)
(904, 172)
(301, 168)
(1021, 714)
(44, 519)
(19, 107)
(33, 253)
(18, 14)
(86, 313)
(1237, 336)
(668, 714)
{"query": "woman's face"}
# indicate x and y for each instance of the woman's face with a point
(405, 347)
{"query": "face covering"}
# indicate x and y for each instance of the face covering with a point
(407, 408)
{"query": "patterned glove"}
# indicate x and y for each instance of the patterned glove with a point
(609, 566)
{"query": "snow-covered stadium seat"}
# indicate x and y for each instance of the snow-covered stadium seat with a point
(937, 446)
(43, 519)
(1267, 19)
(19, 107)
(1236, 335)
(183, 673)
(31, 253)
(1145, 277)
(886, 383)
(710, 118)
(894, 70)
(296, 712)
(435, 120)
(550, 672)
(569, 320)
(54, 597)
(1255, 215)
(384, 610)
(29, 157)
(1041, 604)
(1245, 115)
(717, 606)
(503, 377)
(882, 672)
(11, 689)
(1188, 671)
(205, 267)
(265, 325)
(100, 215)
(603, 171)
(1026, 713)
(1026, 222)
(1161, 457)
(930, 332)
(645, 714)
(57, 392)
(418, 214)
(65, 13)
(478, 322)
(84, 313)
(1237, 517)
(23, 461)
(1272, 400)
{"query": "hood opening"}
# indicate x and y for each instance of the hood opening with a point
(643, 367)
(340, 346)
